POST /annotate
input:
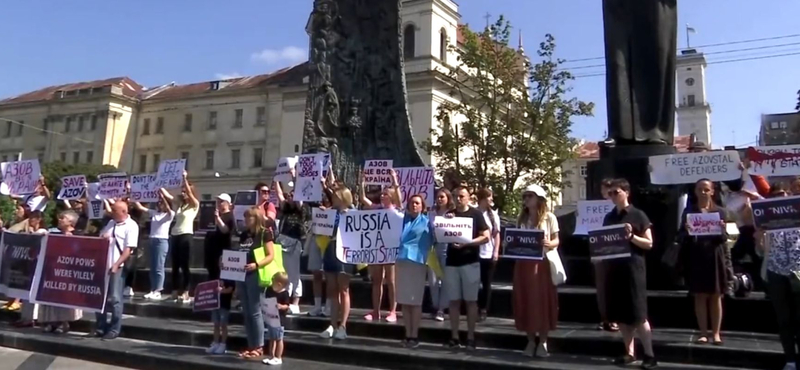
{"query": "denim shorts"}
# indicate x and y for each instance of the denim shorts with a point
(274, 333)
(220, 316)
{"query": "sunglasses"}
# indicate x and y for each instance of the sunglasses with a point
(264, 190)
(614, 193)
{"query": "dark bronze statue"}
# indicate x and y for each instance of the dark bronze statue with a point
(356, 106)
(640, 48)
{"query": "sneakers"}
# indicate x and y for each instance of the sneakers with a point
(453, 344)
(221, 349)
(541, 351)
(369, 317)
(294, 309)
(272, 361)
(127, 292)
(315, 312)
(213, 348)
(340, 334)
(328, 333)
(439, 316)
(156, 296)
(392, 317)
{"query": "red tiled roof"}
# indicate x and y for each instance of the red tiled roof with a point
(130, 88)
(592, 150)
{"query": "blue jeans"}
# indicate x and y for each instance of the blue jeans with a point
(113, 305)
(250, 297)
(158, 256)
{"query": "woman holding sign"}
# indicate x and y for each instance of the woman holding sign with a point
(415, 243)
(181, 240)
(436, 284)
(56, 319)
(380, 274)
(534, 295)
(626, 280)
(337, 274)
(160, 220)
(703, 237)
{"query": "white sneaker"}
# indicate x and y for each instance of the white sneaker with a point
(127, 292)
(220, 350)
(294, 309)
(213, 348)
(790, 366)
(328, 333)
(541, 351)
(272, 361)
(315, 312)
(340, 334)
(156, 296)
(148, 295)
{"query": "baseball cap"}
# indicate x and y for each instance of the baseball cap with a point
(224, 197)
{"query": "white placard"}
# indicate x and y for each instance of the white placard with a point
(72, 187)
(688, 168)
(414, 181)
(112, 185)
(377, 172)
(233, 263)
(308, 186)
(453, 230)
(285, 170)
(704, 224)
(144, 189)
(590, 215)
(369, 237)
(269, 312)
(20, 177)
(777, 160)
(322, 221)
(170, 173)
(324, 160)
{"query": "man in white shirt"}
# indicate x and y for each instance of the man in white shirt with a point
(123, 235)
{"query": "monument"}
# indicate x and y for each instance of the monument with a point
(356, 107)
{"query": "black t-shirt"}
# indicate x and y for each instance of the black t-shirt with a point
(226, 298)
(282, 298)
(631, 215)
(218, 241)
(248, 242)
(467, 255)
(292, 221)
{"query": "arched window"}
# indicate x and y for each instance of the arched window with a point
(443, 45)
(409, 41)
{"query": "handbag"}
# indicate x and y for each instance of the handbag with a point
(557, 273)
(266, 273)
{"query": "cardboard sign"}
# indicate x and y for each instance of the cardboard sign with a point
(18, 261)
(206, 296)
(73, 273)
(322, 221)
(778, 160)
(453, 230)
(590, 215)
(112, 185)
(609, 242)
(776, 213)
(144, 189)
(525, 244)
(207, 217)
(233, 263)
(416, 181)
(20, 177)
(704, 224)
(688, 168)
(369, 237)
(308, 186)
(378, 172)
(324, 160)
(284, 172)
(72, 187)
(270, 313)
(170, 173)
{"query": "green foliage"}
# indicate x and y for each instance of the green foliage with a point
(510, 120)
(6, 210)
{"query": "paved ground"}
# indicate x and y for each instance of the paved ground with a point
(12, 359)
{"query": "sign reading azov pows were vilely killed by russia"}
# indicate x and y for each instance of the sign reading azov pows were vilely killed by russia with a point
(527, 244)
(688, 168)
(453, 229)
(609, 242)
(370, 237)
(590, 215)
(777, 213)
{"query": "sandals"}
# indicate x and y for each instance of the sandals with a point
(251, 354)
(701, 340)
(608, 326)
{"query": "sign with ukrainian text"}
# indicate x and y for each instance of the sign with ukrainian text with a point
(20, 177)
(453, 229)
(416, 181)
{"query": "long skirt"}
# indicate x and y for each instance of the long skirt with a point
(58, 314)
(535, 297)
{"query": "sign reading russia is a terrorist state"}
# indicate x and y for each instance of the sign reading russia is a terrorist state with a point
(688, 168)
(369, 237)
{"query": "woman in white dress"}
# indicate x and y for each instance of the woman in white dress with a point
(56, 319)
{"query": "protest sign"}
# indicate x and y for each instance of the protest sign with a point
(688, 168)
(778, 160)
(20, 177)
(308, 186)
(609, 242)
(112, 185)
(704, 224)
(95, 211)
(73, 273)
(18, 260)
(270, 313)
(777, 213)
(324, 160)
(170, 173)
(369, 237)
(414, 181)
(72, 187)
(590, 215)
(233, 263)
(245, 199)
(322, 221)
(378, 172)
(285, 170)
(453, 229)
(144, 189)
(206, 296)
(207, 218)
(525, 244)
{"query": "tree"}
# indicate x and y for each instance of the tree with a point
(509, 121)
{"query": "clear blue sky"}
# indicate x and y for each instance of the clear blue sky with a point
(155, 42)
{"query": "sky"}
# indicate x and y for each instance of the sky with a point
(49, 42)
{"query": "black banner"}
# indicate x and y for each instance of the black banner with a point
(20, 254)
(207, 220)
(525, 244)
(777, 213)
(609, 242)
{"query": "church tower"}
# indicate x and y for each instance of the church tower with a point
(693, 111)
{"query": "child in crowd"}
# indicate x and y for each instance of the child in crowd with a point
(275, 307)
(220, 318)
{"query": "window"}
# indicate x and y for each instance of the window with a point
(443, 45)
(781, 125)
(159, 125)
(93, 123)
(45, 126)
(237, 122)
(209, 159)
(408, 41)
(187, 122)
(89, 157)
(258, 157)
(68, 124)
(8, 128)
(582, 194)
(63, 156)
(296, 148)
(142, 163)
(20, 127)
(80, 124)
(5, 158)
(40, 156)
(773, 125)
(212, 120)
(583, 171)
(146, 129)
(185, 155)
(156, 162)
(261, 116)
(76, 157)
(236, 156)
(690, 100)
(206, 196)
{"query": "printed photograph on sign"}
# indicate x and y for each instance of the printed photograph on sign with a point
(378, 172)
(170, 173)
(778, 160)
(590, 215)
(369, 237)
(704, 224)
(20, 177)
(144, 189)
(72, 187)
(688, 168)
(776, 213)
(414, 181)
(609, 242)
(18, 261)
(523, 244)
(453, 229)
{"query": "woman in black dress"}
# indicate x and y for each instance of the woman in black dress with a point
(706, 274)
(626, 279)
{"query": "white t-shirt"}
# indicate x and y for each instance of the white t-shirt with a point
(36, 202)
(487, 249)
(126, 235)
(159, 223)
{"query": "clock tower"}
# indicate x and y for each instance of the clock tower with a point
(693, 111)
